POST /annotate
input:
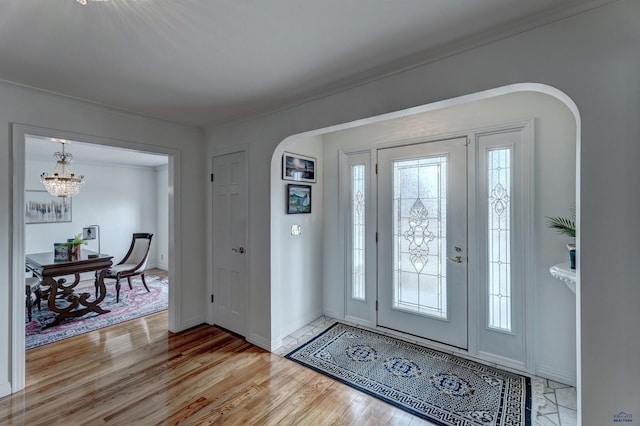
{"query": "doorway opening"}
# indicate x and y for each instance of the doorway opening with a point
(151, 167)
(320, 253)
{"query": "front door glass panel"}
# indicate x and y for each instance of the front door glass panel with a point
(419, 236)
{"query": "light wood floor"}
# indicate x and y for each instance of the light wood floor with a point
(137, 373)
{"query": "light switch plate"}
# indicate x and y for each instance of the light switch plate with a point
(296, 229)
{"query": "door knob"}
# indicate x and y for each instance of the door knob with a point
(457, 259)
(238, 250)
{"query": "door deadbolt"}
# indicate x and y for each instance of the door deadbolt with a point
(457, 259)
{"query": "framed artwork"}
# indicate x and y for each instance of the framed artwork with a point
(298, 167)
(298, 199)
(60, 252)
(42, 207)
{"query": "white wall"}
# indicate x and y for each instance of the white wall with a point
(121, 200)
(97, 124)
(555, 150)
(593, 58)
(296, 260)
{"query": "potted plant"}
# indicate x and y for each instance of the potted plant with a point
(566, 226)
(74, 246)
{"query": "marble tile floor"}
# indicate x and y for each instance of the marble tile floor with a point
(556, 402)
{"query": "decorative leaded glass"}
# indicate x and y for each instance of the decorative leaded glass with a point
(499, 238)
(419, 236)
(358, 232)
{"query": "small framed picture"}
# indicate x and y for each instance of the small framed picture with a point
(298, 167)
(298, 199)
(60, 252)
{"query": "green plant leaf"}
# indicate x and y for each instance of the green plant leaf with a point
(562, 225)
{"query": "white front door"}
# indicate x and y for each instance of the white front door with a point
(229, 242)
(422, 240)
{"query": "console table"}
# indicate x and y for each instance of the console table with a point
(46, 268)
(564, 273)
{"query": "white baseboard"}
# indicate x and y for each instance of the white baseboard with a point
(189, 323)
(359, 321)
(501, 361)
(291, 327)
(333, 314)
(5, 389)
(162, 265)
(261, 342)
(556, 375)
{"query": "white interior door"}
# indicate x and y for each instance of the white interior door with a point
(229, 242)
(422, 240)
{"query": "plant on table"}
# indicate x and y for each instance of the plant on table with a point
(566, 226)
(74, 244)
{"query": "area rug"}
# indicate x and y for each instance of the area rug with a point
(133, 304)
(438, 387)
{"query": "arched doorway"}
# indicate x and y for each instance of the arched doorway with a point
(318, 254)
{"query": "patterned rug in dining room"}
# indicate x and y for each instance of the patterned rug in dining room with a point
(134, 303)
(438, 387)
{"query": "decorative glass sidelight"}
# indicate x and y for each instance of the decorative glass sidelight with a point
(499, 238)
(358, 231)
(419, 236)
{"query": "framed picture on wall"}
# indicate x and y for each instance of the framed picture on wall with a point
(298, 167)
(298, 199)
(42, 207)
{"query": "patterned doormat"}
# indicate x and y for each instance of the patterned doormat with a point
(438, 387)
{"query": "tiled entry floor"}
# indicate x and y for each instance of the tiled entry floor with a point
(556, 402)
(560, 405)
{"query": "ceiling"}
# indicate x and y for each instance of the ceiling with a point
(42, 149)
(205, 62)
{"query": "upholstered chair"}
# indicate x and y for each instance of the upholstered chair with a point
(133, 264)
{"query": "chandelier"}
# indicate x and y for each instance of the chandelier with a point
(63, 183)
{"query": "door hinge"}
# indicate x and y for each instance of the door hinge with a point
(376, 306)
(376, 168)
(376, 237)
(211, 177)
(212, 298)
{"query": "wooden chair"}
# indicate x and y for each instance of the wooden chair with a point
(134, 263)
(33, 294)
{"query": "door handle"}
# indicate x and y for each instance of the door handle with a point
(457, 259)
(238, 250)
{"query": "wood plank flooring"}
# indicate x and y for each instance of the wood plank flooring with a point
(137, 373)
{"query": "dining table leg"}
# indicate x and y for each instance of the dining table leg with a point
(66, 303)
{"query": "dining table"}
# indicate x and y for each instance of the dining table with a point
(61, 295)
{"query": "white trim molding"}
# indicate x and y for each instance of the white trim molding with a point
(17, 235)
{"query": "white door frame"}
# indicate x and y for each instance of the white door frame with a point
(527, 333)
(524, 287)
(17, 236)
